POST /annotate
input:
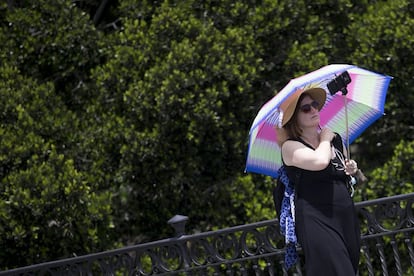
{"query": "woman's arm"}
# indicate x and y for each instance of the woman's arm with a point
(297, 154)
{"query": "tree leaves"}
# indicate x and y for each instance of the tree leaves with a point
(107, 135)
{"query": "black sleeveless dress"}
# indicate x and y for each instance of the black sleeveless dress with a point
(326, 223)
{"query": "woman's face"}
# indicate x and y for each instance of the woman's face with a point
(308, 114)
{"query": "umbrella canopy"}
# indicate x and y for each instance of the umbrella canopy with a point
(349, 114)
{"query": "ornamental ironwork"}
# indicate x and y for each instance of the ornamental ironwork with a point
(387, 227)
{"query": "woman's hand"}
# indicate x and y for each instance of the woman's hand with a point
(327, 135)
(351, 167)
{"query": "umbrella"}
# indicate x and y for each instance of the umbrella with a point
(355, 100)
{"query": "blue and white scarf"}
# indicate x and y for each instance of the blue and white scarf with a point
(287, 219)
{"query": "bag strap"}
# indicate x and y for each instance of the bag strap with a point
(337, 142)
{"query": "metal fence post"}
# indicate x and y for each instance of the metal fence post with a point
(178, 223)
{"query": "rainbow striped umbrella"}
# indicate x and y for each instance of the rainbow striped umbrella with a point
(349, 114)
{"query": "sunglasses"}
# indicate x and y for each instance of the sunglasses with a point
(306, 108)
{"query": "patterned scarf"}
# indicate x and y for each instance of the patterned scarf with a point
(287, 219)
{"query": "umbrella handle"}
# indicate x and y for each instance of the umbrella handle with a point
(348, 152)
(359, 174)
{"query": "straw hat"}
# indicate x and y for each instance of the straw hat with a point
(289, 105)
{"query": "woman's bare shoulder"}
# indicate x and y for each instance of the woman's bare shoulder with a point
(292, 144)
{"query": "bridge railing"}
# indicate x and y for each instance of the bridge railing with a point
(387, 227)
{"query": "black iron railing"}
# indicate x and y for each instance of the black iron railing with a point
(387, 227)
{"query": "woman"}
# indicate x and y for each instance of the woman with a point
(325, 219)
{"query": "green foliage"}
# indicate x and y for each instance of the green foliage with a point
(181, 108)
(46, 208)
(251, 199)
(52, 41)
(381, 39)
(395, 176)
(50, 211)
(107, 135)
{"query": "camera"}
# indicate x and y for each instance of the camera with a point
(339, 83)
